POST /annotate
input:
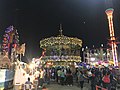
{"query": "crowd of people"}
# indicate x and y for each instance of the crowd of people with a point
(104, 77)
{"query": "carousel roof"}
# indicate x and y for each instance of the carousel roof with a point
(60, 40)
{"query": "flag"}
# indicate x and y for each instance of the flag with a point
(21, 49)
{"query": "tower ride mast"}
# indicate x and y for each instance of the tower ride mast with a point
(109, 13)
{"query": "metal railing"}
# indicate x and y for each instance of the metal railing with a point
(100, 88)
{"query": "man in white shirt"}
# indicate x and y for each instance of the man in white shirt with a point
(28, 85)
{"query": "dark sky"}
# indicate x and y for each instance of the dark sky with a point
(38, 19)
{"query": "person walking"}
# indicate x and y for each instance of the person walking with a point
(106, 81)
(69, 78)
(58, 75)
(62, 77)
(41, 78)
(93, 81)
(28, 84)
(81, 78)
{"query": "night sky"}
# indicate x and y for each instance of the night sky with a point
(39, 19)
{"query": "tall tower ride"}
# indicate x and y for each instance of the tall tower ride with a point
(109, 13)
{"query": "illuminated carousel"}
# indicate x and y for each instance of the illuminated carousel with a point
(61, 50)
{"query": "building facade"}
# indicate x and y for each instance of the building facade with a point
(97, 55)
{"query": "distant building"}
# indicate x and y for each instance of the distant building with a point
(95, 55)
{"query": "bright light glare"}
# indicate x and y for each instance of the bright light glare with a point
(31, 66)
(92, 59)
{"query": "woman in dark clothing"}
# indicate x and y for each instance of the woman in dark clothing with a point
(69, 78)
(81, 79)
(93, 82)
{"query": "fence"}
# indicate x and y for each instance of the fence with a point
(100, 88)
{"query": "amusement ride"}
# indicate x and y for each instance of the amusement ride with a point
(61, 50)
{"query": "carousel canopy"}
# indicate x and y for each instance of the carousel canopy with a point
(61, 41)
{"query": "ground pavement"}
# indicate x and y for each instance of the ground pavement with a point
(56, 86)
(65, 87)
